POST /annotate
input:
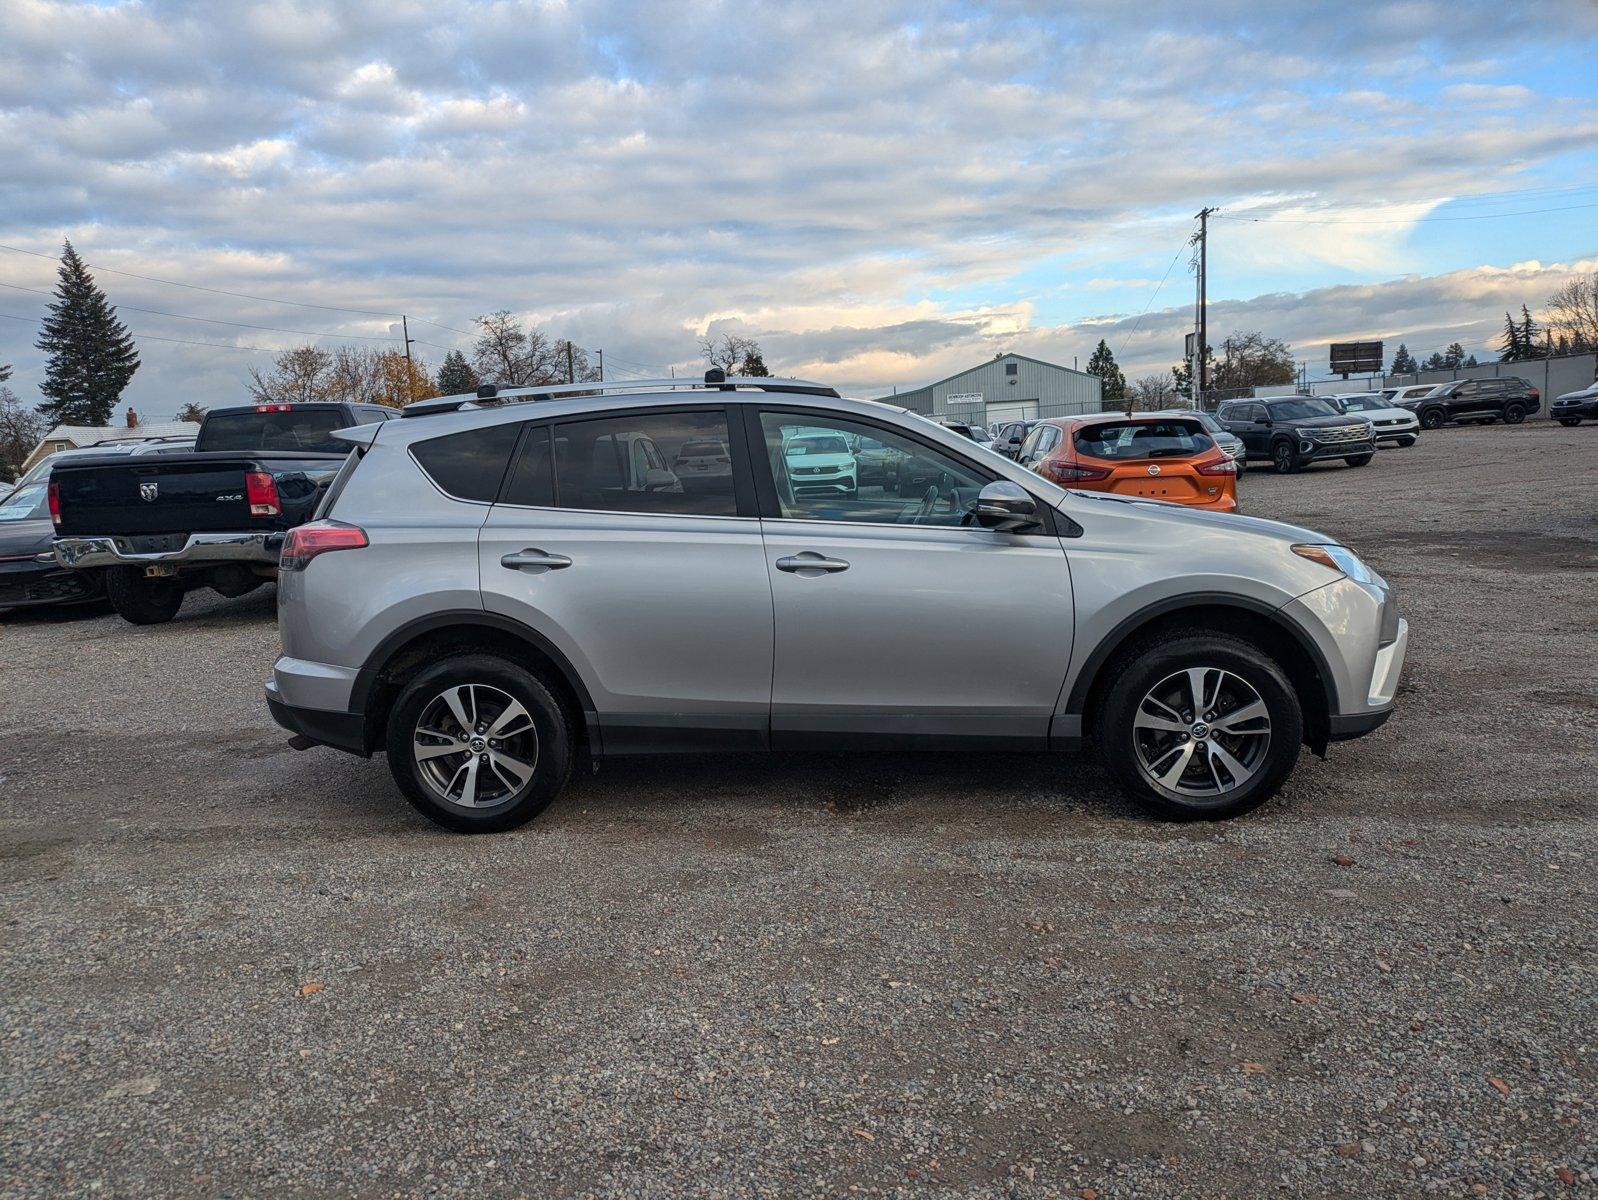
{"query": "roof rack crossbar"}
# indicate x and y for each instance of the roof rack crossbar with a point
(490, 395)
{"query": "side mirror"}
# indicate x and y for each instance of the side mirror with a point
(657, 480)
(1262, 420)
(1005, 506)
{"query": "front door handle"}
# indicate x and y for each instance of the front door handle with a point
(535, 559)
(808, 561)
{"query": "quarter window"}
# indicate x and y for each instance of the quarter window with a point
(820, 478)
(468, 465)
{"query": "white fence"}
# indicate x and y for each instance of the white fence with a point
(1551, 376)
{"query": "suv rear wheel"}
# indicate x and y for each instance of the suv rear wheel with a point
(478, 744)
(1514, 414)
(1199, 725)
(1431, 418)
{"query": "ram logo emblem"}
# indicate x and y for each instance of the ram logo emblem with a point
(149, 491)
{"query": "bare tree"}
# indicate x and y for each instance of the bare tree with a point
(1572, 314)
(1250, 359)
(297, 376)
(191, 412)
(21, 429)
(1151, 393)
(734, 354)
(507, 354)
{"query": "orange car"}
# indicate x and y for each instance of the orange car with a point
(1160, 457)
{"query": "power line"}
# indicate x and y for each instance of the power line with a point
(1152, 298)
(1525, 212)
(362, 337)
(150, 337)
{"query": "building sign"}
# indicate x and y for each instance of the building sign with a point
(963, 398)
(1355, 357)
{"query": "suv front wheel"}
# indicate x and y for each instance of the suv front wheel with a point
(1284, 458)
(478, 744)
(1199, 725)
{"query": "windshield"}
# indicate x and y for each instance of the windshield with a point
(1362, 404)
(297, 429)
(817, 445)
(1302, 409)
(28, 502)
(1142, 439)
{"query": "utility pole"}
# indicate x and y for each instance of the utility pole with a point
(405, 328)
(571, 375)
(601, 354)
(1201, 371)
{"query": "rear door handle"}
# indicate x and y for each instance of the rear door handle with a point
(809, 560)
(535, 559)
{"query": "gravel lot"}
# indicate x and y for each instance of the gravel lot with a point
(231, 969)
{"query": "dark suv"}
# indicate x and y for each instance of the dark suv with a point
(1508, 399)
(1294, 431)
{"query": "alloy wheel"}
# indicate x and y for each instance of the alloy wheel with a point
(1202, 733)
(475, 746)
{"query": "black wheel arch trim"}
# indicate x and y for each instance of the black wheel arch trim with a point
(1076, 702)
(366, 678)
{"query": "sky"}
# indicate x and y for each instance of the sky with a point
(880, 194)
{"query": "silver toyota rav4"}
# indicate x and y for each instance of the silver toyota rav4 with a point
(502, 582)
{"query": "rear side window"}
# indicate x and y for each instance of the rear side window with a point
(291, 429)
(642, 463)
(470, 465)
(1142, 439)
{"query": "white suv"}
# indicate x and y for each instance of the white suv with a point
(488, 591)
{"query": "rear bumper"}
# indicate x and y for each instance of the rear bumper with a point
(78, 552)
(340, 730)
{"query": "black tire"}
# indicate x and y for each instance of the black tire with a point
(549, 741)
(1141, 669)
(1358, 460)
(1514, 414)
(1284, 457)
(1432, 418)
(1407, 442)
(1570, 422)
(140, 600)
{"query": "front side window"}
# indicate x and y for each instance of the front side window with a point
(646, 462)
(818, 475)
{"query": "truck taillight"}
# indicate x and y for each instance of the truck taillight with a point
(260, 492)
(55, 503)
(274, 408)
(305, 542)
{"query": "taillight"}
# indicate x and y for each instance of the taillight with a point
(1223, 466)
(305, 542)
(260, 492)
(55, 503)
(1071, 472)
(274, 408)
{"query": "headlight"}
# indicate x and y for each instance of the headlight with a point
(1339, 558)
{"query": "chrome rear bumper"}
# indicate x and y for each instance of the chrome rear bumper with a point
(199, 548)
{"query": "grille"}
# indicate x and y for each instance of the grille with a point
(64, 586)
(815, 470)
(1347, 433)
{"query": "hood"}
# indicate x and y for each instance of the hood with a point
(25, 537)
(1340, 421)
(1186, 515)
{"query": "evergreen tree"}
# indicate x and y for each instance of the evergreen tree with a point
(91, 352)
(1529, 332)
(1471, 361)
(1103, 365)
(1403, 362)
(456, 375)
(1512, 349)
(1454, 356)
(1435, 363)
(754, 363)
(1182, 374)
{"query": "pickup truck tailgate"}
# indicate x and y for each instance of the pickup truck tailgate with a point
(194, 494)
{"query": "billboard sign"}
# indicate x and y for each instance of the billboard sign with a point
(1353, 358)
(963, 398)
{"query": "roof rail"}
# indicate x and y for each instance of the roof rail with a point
(491, 395)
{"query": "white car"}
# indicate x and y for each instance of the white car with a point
(705, 461)
(1410, 391)
(820, 463)
(1390, 424)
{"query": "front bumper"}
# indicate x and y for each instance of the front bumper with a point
(31, 581)
(341, 730)
(1317, 451)
(1391, 433)
(199, 548)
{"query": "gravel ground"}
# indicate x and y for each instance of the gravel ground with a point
(231, 969)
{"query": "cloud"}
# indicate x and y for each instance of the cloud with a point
(877, 189)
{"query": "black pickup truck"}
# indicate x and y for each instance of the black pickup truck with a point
(215, 518)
